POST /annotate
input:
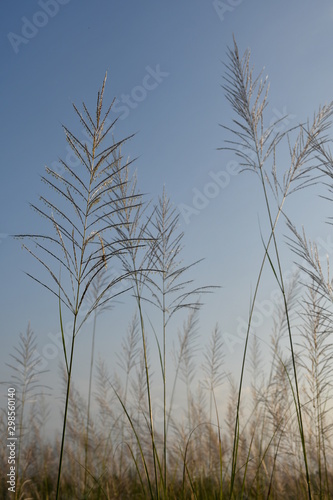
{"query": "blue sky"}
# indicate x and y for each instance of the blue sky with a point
(177, 123)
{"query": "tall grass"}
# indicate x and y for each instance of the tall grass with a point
(98, 284)
(81, 219)
(149, 428)
(256, 145)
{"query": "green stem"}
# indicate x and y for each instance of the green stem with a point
(66, 408)
(89, 401)
(236, 432)
(79, 279)
(300, 420)
(164, 391)
(144, 345)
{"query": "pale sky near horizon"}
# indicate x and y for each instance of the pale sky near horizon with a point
(165, 66)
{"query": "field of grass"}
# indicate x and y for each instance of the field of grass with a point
(275, 441)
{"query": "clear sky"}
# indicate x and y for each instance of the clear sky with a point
(57, 52)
